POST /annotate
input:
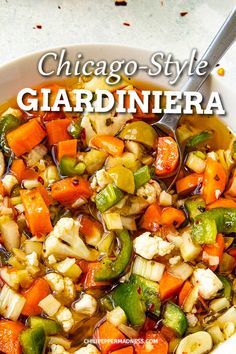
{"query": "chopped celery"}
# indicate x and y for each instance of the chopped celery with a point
(113, 221)
(142, 176)
(195, 206)
(150, 270)
(106, 243)
(199, 138)
(50, 327)
(33, 340)
(108, 197)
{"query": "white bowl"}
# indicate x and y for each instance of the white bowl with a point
(22, 72)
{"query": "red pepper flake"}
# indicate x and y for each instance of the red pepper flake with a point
(59, 7)
(41, 180)
(182, 14)
(120, 3)
(38, 27)
(126, 24)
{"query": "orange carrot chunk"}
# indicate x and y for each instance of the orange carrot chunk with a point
(212, 254)
(110, 144)
(19, 169)
(67, 148)
(184, 292)
(37, 292)
(89, 268)
(214, 180)
(26, 137)
(126, 350)
(152, 218)
(36, 212)
(167, 156)
(9, 336)
(188, 183)
(169, 286)
(172, 216)
(108, 336)
(68, 190)
(57, 130)
(222, 203)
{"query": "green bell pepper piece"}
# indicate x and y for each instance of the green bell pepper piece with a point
(69, 167)
(75, 128)
(175, 319)
(50, 327)
(227, 290)
(136, 297)
(195, 206)
(208, 224)
(142, 176)
(199, 138)
(141, 132)
(7, 123)
(33, 340)
(108, 197)
(111, 269)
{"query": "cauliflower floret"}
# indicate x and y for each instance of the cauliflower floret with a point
(175, 260)
(192, 319)
(150, 191)
(9, 182)
(52, 259)
(149, 246)
(32, 259)
(86, 305)
(36, 154)
(209, 284)
(57, 349)
(64, 241)
(89, 349)
(61, 285)
(65, 318)
(100, 180)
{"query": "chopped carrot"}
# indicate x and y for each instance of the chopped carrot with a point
(231, 188)
(109, 144)
(152, 218)
(90, 228)
(37, 292)
(67, 148)
(19, 169)
(184, 292)
(169, 286)
(155, 343)
(89, 269)
(126, 350)
(212, 254)
(214, 180)
(57, 130)
(9, 337)
(188, 183)
(68, 190)
(26, 137)
(167, 156)
(36, 212)
(2, 189)
(222, 203)
(108, 336)
(172, 216)
(45, 194)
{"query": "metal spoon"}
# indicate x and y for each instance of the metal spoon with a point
(218, 47)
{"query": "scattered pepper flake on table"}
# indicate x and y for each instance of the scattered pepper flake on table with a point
(120, 3)
(184, 13)
(126, 24)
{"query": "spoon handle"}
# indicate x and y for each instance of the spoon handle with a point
(224, 38)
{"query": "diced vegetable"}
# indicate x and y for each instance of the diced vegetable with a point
(108, 331)
(212, 254)
(36, 212)
(199, 138)
(216, 334)
(67, 148)
(69, 268)
(38, 291)
(151, 219)
(108, 197)
(57, 130)
(227, 291)
(69, 190)
(109, 144)
(184, 292)
(90, 229)
(50, 327)
(111, 269)
(10, 234)
(25, 137)
(116, 316)
(150, 270)
(90, 269)
(33, 340)
(195, 206)
(182, 271)
(175, 318)
(140, 132)
(9, 336)
(220, 304)
(202, 341)
(222, 203)
(172, 216)
(126, 350)
(8, 123)
(19, 169)
(113, 221)
(11, 303)
(94, 160)
(127, 159)
(188, 183)
(228, 316)
(75, 128)
(195, 163)
(123, 178)
(167, 156)
(169, 286)
(214, 181)
(142, 176)
(70, 167)
(158, 344)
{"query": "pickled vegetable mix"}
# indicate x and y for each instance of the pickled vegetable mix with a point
(97, 254)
